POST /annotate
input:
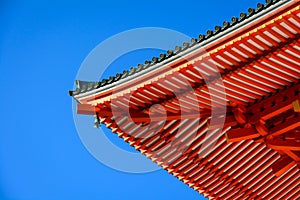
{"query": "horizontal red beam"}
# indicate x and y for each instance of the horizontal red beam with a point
(87, 109)
(202, 113)
(141, 117)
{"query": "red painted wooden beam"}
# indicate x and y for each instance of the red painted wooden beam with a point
(101, 111)
(87, 109)
(282, 165)
(239, 134)
(275, 104)
(293, 154)
(284, 145)
(141, 117)
(286, 126)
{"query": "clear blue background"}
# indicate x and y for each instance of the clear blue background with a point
(42, 44)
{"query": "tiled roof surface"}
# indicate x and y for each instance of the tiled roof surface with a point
(84, 86)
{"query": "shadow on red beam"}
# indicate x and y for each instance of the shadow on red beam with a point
(284, 145)
(282, 165)
(239, 134)
(286, 126)
(275, 105)
(293, 154)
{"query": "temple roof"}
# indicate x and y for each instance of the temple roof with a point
(203, 39)
(249, 80)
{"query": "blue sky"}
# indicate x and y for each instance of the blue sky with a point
(42, 45)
